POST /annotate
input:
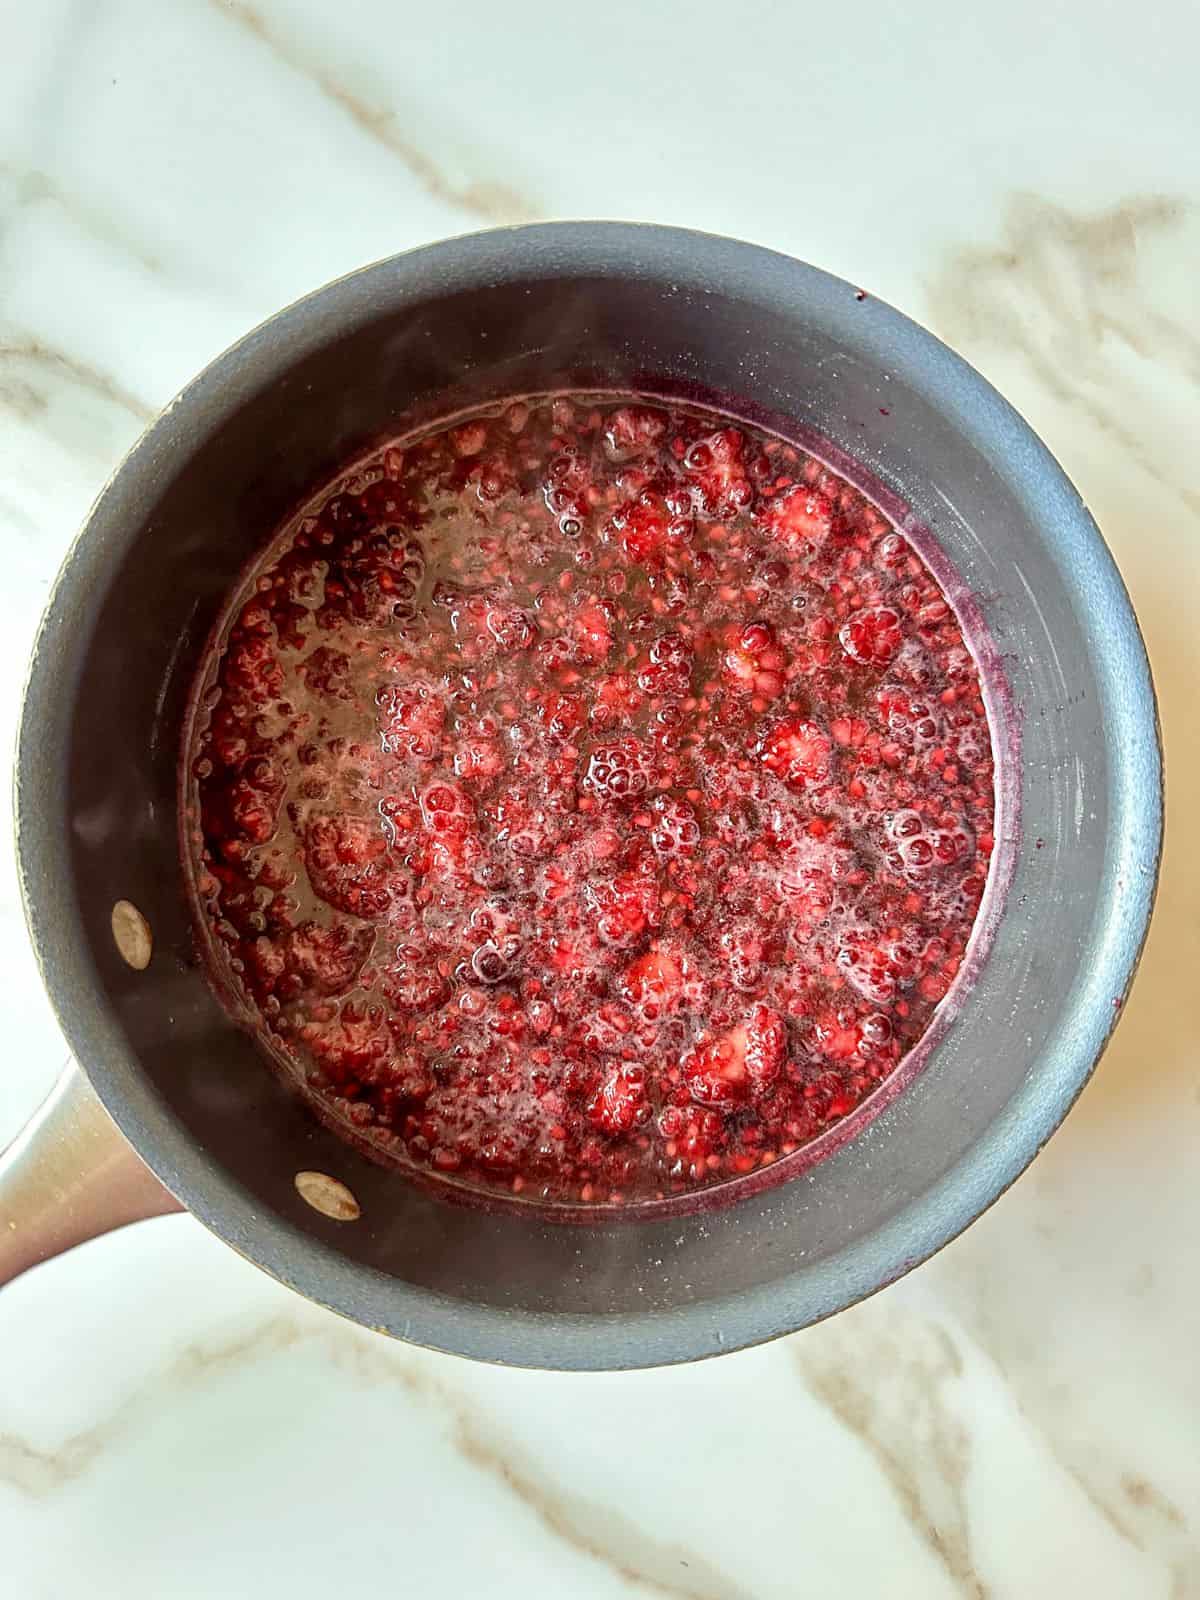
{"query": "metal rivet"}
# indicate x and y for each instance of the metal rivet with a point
(328, 1196)
(131, 934)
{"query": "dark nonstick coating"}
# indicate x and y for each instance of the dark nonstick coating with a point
(601, 306)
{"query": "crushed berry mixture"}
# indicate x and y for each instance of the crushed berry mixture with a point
(592, 800)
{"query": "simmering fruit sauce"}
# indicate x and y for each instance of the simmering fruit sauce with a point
(590, 800)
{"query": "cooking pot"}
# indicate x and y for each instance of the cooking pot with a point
(522, 310)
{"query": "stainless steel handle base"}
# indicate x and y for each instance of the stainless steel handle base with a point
(70, 1175)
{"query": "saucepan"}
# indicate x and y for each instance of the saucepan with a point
(171, 1106)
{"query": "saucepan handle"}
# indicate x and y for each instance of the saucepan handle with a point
(70, 1175)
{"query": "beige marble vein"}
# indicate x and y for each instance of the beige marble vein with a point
(602, 1532)
(37, 1471)
(23, 363)
(595, 1531)
(1087, 320)
(487, 200)
(1136, 1509)
(28, 187)
(1142, 1514)
(890, 1386)
(900, 1383)
(1063, 289)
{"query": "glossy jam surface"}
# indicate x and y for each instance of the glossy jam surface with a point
(591, 800)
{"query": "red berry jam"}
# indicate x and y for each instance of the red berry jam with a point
(592, 800)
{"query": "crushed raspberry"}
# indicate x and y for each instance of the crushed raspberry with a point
(620, 1104)
(349, 865)
(327, 958)
(715, 468)
(799, 517)
(872, 636)
(877, 967)
(766, 1045)
(623, 771)
(646, 532)
(592, 801)
(653, 980)
(623, 907)
(754, 661)
(675, 828)
(796, 750)
(634, 430)
(716, 1072)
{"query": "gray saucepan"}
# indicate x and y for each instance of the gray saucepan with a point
(519, 310)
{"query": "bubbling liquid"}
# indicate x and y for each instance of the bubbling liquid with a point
(590, 800)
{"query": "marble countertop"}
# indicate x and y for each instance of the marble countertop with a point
(1020, 1416)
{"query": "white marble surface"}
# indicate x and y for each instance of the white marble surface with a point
(1019, 1418)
